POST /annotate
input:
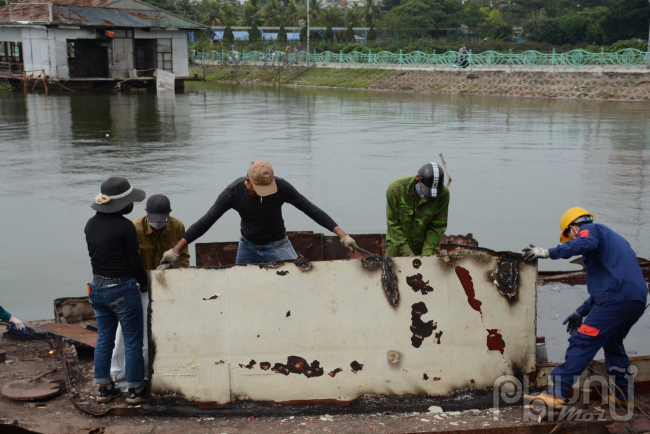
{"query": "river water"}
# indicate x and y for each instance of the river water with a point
(517, 165)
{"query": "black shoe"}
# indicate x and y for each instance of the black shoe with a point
(137, 398)
(106, 395)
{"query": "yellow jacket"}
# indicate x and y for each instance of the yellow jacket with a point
(153, 246)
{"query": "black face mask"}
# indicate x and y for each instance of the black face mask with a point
(127, 210)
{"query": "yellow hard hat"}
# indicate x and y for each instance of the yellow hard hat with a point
(569, 217)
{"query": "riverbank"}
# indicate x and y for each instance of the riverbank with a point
(608, 86)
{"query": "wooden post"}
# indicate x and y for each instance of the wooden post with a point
(44, 80)
(203, 72)
(24, 81)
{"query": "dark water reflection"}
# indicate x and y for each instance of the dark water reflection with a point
(517, 165)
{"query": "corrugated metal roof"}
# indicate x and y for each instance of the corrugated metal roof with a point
(27, 11)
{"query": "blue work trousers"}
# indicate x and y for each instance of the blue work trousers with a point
(112, 304)
(251, 253)
(605, 327)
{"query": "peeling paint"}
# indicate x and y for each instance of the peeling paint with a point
(334, 372)
(393, 357)
(506, 276)
(425, 376)
(417, 263)
(438, 336)
(468, 286)
(282, 273)
(288, 314)
(436, 378)
(249, 366)
(356, 366)
(418, 284)
(265, 365)
(300, 366)
(495, 341)
(214, 297)
(419, 328)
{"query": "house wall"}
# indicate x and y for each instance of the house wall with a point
(286, 334)
(46, 49)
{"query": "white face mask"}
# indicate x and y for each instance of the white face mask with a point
(158, 225)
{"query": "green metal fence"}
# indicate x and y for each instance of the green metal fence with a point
(576, 59)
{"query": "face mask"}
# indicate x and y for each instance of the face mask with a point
(158, 225)
(417, 188)
(127, 210)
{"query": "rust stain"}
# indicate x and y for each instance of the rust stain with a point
(107, 22)
(436, 378)
(288, 313)
(214, 297)
(249, 366)
(468, 286)
(298, 365)
(265, 366)
(334, 372)
(356, 366)
(418, 284)
(282, 273)
(495, 341)
(438, 336)
(417, 263)
(425, 376)
(419, 328)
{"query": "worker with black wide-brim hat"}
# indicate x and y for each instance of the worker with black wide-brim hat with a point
(118, 274)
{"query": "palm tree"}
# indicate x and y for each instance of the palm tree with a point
(211, 12)
(314, 9)
(229, 15)
(371, 10)
(333, 16)
(294, 13)
(250, 14)
(272, 14)
(353, 14)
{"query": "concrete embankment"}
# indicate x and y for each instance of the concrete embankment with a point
(607, 86)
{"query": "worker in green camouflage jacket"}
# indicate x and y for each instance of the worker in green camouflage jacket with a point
(416, 212)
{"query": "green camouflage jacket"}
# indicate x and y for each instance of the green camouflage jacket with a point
(414, 225)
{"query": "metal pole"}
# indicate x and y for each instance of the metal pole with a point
(308, 24)
(649, 43)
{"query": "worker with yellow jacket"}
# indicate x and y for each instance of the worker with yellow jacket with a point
(159, 232)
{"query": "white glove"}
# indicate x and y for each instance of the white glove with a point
(17, 323)
(349, 243)
(531, 253)
(171, 258)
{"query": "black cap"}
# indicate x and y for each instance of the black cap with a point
(432, 180)
(158, 208)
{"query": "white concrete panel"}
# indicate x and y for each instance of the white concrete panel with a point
(335, 316)
(179, 56)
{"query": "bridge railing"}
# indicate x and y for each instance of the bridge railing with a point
(627, 59)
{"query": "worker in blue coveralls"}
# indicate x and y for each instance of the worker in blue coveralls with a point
(617, 297)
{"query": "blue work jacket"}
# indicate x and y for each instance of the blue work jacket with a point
(613, 272)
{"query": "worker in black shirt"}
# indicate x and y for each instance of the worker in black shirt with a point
(113, 248)
(258, 198)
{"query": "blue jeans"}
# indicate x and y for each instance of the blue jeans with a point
(112, 304)
(250, 253)
(605, 327)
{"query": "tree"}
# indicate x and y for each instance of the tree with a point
(294, 14)
(627, 19)
(273, 16)
(542, 29)
(574, 28)
(354, 14)
(348, 36)
(303, 34)
(371, 11)
(210, 12)
(372, 34)
(414, 18)
(329, 34)
(227, 34)
(254, 33)
(314, 9)
(332, 16)
(282, 34)
(249, 14)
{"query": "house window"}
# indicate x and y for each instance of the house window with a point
(164, 54)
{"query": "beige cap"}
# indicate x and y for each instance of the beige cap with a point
(261, 175)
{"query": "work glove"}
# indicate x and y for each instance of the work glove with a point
(531, 253)
(349, 243)
(171, 258)
(16, 324)
(575, 321)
